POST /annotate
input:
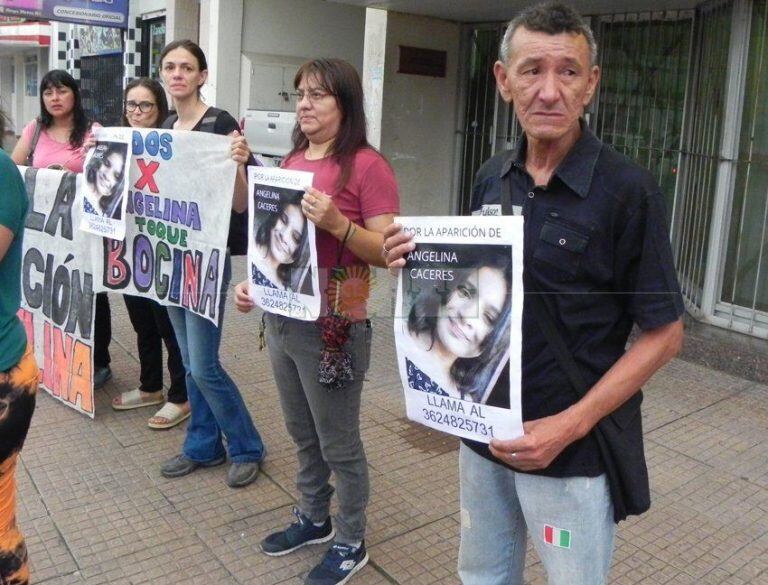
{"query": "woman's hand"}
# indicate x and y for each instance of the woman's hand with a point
(239, 149)
(322, 211)
(88, 143)
(397, 244)
(243, 301)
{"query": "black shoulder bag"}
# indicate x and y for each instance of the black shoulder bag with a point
(619, 435)
(33, 144)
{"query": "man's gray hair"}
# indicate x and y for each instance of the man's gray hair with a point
(551, 18)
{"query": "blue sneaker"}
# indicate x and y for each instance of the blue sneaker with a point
(298, 534)
(339, 564)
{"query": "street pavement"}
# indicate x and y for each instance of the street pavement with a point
(95, 509)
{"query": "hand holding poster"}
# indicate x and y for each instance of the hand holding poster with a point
(105, 187)
(458, 319)
(282, 258)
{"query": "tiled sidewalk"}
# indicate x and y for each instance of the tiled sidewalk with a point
(95, 509)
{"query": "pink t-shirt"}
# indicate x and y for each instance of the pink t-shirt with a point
(370, 191)
(50, 152)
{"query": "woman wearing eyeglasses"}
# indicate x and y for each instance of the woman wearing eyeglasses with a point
(146, 107)
(353, 198)
(56, 140)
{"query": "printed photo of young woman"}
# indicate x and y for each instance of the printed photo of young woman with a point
(455, 339)
(105, 172)
(281, 257)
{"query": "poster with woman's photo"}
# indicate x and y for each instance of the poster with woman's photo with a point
(105, 183)
(282, 257)
(458, 316)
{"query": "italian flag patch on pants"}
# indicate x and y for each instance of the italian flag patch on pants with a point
(558, 537)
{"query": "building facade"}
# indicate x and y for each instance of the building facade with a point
(684, 92)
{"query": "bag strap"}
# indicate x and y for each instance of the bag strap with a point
(567, 362)
(557, 344)
(208, 121)
(33, 144)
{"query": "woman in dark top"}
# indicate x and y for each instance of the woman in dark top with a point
(217, 406)
(146, 107)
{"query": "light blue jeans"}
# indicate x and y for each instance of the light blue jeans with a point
(498, 505)
(216, 403)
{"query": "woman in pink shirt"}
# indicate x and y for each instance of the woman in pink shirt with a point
(54, 140)
(61, 128)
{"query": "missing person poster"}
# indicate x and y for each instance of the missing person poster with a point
(458, 317)
(282, 257)
(58, 286)
(105, 184)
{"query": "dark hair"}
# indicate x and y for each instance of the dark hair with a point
(188, 45)
(472, 375)
(552, 18)
(262, 236)
(157, 91)
(102, 152)
(81, 124)
(340, 79)
(192, 47)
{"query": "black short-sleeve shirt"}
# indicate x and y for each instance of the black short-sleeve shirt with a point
(596, 243)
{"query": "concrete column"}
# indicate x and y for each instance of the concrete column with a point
(374, 54)
(221, 35)
(182, 20)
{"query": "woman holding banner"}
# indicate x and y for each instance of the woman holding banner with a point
(55, 140)
(217, 406)
(146, 107)
(459, 332)
(353, 199)
(18, 370)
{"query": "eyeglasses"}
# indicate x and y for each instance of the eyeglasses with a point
(313, 95)
(144, 107)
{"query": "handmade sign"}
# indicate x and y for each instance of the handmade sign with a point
(58, 285)
(178, 208)
(458, 317)
(282, 257)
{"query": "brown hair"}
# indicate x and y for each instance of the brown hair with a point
(340, 79)
(161, 103)
(187, 45)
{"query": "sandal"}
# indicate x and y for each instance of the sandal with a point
(133, 399)
(172, 413)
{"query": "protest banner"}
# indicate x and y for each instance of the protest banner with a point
(458, 317)
(58, 285)
(105, 189)
(178, 207)
(282, 257)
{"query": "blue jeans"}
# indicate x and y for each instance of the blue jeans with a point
(498, 505)
(216, 403)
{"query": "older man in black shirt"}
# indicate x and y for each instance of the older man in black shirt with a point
(596, 243)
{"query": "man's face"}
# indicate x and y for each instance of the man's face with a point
(549, 80)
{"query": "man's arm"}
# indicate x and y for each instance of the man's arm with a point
(545, 438)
